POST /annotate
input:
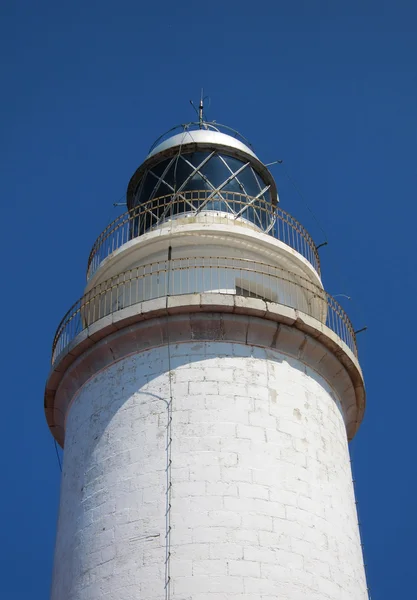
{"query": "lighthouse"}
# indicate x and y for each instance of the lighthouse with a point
(205, 388)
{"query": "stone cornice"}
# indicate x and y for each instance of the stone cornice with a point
(205, 317)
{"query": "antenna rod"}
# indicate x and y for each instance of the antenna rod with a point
(200, 110)
(275, 162)
(360, 330)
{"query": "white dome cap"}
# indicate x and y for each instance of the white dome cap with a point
(202, 136)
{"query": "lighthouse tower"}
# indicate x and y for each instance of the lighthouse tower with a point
(205, 388)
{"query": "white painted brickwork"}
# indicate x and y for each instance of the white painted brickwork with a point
(262, 503)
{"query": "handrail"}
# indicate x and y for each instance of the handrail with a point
(220, 275)
(271, 220)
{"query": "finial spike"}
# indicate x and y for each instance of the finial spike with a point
(200, 110)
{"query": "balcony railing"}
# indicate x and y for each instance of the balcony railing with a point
(270, 220)
(196, 275)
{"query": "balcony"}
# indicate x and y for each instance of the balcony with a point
(210, 207)
(209, 275)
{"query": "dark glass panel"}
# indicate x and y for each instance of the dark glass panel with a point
(197, 183)
(147, 188)
(196, 158)
(248, 182)
(160, 167)
(266, 195)
(178, 173)
(234, 163)
(216, 171)
(261, 182)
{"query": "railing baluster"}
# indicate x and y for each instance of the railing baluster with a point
(203, 274)
(134, 223)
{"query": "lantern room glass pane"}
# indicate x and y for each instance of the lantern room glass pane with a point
(218, 171)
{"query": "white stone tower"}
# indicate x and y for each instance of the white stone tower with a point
(206, 387)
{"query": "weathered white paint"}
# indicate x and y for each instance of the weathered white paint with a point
(262, 504)
(205, 317)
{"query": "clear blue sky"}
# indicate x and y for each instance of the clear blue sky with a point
(330, 87)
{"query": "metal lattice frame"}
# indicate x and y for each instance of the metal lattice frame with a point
(216, 191)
